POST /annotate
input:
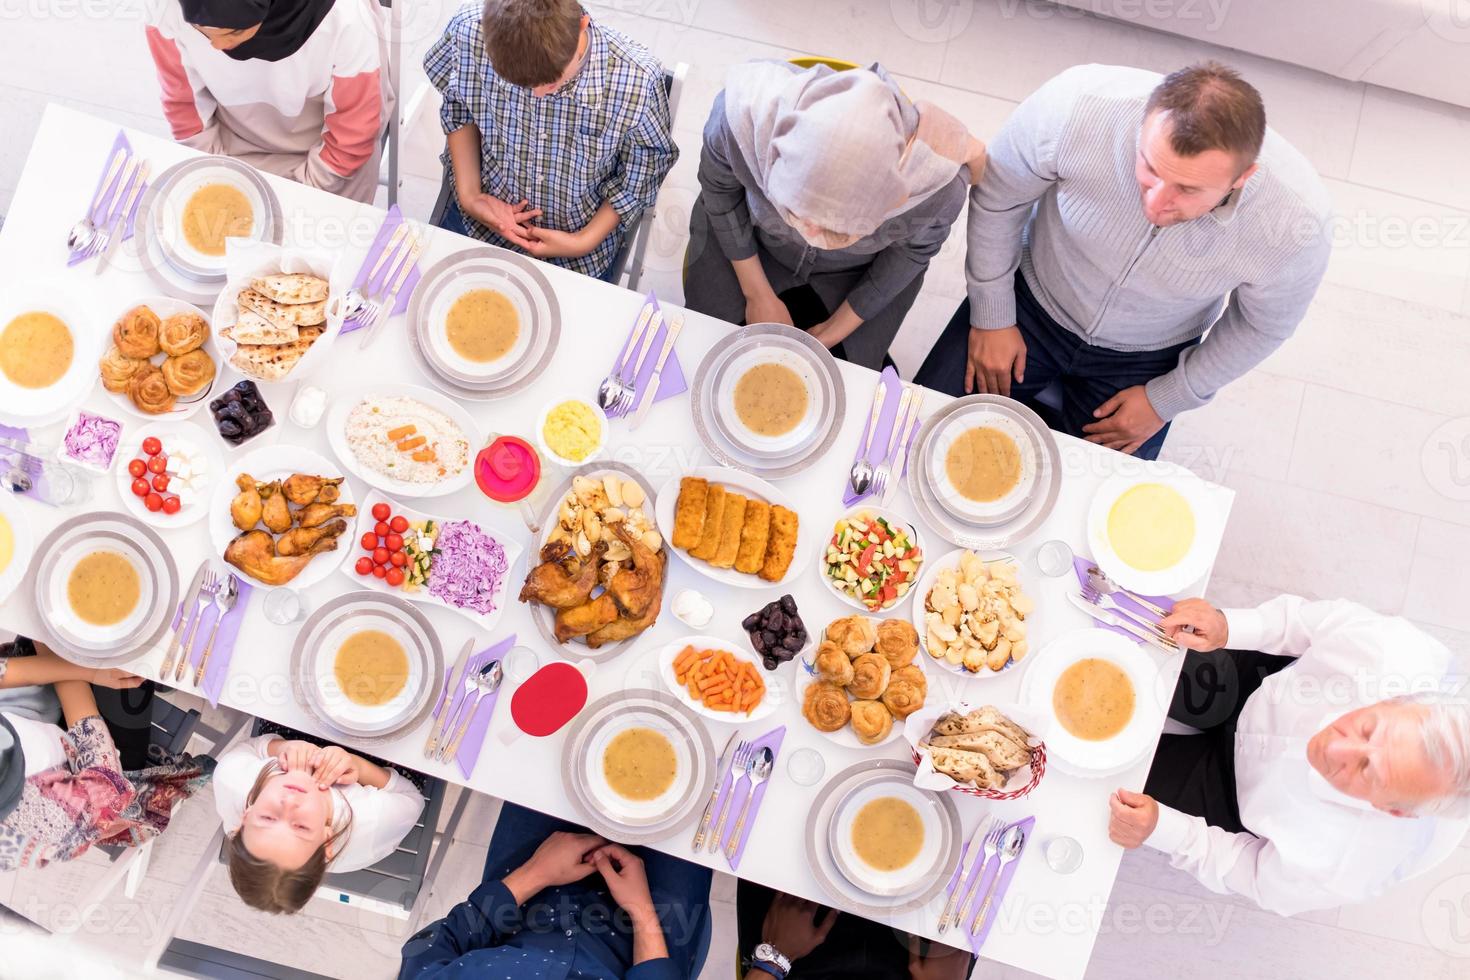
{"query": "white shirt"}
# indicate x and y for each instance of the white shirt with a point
(40, 741)
(1311, 847)
(380, 817)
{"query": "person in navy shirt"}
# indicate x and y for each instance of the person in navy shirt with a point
(557, 902)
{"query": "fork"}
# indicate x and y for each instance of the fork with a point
(379, 306)
(700, 836)
(1106, 586)
(189, 628)
(987, 826)
(118, 199)
(224, 601)
(991, 847)
(900, 423)
(1105, 601)
(759, 772)
(617, 386)
(743, 761)
(469, 685)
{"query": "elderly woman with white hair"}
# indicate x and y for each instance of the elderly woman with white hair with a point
(823, 197)
(1329, 758)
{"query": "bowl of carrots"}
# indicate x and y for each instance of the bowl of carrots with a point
(716, 679)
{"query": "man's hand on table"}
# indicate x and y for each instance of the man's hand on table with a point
(561, 859)
(1132, 818)
(996, 356)
(794, 928)
(1211, 630)
(1125, 421)
(509, 221)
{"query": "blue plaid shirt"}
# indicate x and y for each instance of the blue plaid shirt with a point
(604, 136)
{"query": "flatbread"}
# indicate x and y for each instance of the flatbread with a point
(291, 289)
(273, 362)
(252, 328)
(966, 767)
(982, 719)
(1002, 751)
(283, 314)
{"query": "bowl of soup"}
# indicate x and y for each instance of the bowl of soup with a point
(481, 329)
(1155, 531)
(101, 590)
(886, 837)
(638, 768)
(202, 210)
(15, 545)
(770, 400)
(983, 465)
(369, 669)
(50, 343)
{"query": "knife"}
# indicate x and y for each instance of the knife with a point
(137, 177)
(441, 709)
(119, 157)
(186, 613)
(971, 852)
(900, 459)
(654, 325)
(709, 808)
(646, 402)
(404, 269)
(1122, 622)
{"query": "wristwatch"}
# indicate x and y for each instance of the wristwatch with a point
(770, 959)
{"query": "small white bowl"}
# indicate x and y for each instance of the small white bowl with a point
(553, 454)
(892, 519)
(117, 450)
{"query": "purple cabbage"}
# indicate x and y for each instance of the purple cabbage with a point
(468, 567)
(93, 440)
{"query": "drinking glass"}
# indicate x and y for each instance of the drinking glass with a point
(1063, 855)
(1054, 558)
(806, 767)
(283, 606)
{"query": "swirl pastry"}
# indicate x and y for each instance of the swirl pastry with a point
(117, 369)
(871, 722)
(833, 665)
(188, 374)
(898, 642)
(825, 706)
(854, 634)
(870, 675)
(136, 333)
(911, 674)
(181, 333)
(150, 392)
(903, 696)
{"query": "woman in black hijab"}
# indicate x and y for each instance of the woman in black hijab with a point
(293, 87)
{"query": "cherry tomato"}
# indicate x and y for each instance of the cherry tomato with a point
(380, 556)
(152, 446)
(394, 542)
(399, 524)
(137, 467)
(369, 541)
(160, 482)
(380, 529)
(398, 559)
(380, 571)
(140, 487)
(364, 565)
(381, 512)
(171, 504)
(153, 502)
(157, 464)
(394, 577)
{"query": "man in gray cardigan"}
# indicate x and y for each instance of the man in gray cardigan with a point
(1142, 241)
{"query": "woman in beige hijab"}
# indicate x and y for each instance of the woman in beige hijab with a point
(823, 196)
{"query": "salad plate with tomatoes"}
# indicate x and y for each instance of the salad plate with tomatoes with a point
(458, 564)
(872, 559)
(165, 472)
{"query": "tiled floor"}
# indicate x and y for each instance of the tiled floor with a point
(1349, 448)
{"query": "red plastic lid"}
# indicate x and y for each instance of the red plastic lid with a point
(508, 469)
(548, 699)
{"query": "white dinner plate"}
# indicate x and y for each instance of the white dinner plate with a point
(671, 652)
(22, 406)
(275, 463)
(619, 808)
(342, 406)
(509, 281)
(800, 362)
(900, 881)
(806, 676)
(921, 595)
(201, 444)
(23, 544)
(1151, 697)
(165, 307)
(1209, 527)
(749, 486)
(169, 212)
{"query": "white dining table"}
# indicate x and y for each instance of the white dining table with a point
(1048, 921)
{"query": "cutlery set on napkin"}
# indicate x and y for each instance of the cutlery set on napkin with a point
(1115, 608)
(637, 381)
(745, 769)
(883, 451)
(466, 704)
(204, 629)
(112, 207)
(978, 885)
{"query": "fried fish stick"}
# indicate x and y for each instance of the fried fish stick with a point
(781, 545)
(752, 553)
(714, 516)
(689, 512)
(733, 521)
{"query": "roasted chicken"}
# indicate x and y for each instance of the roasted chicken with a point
(628, 625)
(560, 581)
(301, 489)
(315, 515)
(300, 540)
(274, 513)
(586, 618)
(245, 508)
(640, 579)
(254, 553)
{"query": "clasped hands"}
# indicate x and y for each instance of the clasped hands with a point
(516, 224)
(332, 765)
(564, 858)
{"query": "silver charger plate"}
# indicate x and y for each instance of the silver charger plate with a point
(819, 851)
(327, 617)
(518, 273)
(122, 533)
(714, 432)
(545, 617)
(989, 536)
(173, 273)
(609, 710)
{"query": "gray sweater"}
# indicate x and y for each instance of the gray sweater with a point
(1059, 199)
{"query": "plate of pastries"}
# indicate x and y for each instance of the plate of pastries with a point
(162, 361)
(733, 527)
(863, 680)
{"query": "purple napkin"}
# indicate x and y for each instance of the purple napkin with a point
(671, 382)
(40, 481)
(886, 418)
(1080, 565)
(224, 641)
(736, 792)
(105, 213)
(989, 872)
(454, 694)
(362, 282)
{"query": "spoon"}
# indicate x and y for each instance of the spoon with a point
(758, 773)
(488, 681)
(1010, 849)
(861, 476)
